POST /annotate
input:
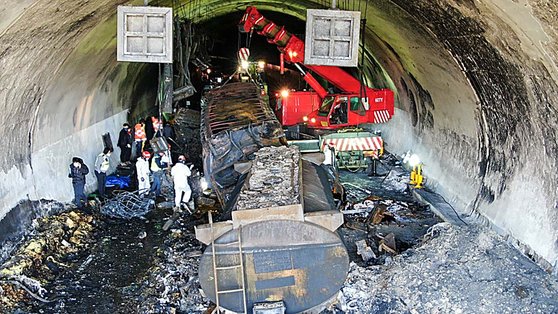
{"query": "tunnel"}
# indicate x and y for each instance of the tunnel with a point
(475, 85)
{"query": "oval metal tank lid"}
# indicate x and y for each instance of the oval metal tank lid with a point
(300, 263)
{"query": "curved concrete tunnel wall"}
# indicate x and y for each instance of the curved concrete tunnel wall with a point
(476, 83)
(61, 89)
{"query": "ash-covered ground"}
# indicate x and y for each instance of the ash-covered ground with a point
(445, 269)
(454, 270)
(403, 260)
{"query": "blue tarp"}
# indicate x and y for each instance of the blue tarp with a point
(120, 181)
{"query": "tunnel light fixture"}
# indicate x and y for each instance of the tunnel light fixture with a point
(144, 34)
(414, 160)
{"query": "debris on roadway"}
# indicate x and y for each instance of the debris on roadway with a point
(403, 259)
(127, 205)
(55, 243)
(173, 285)
(454, 270)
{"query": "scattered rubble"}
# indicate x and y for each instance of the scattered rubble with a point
(381, 220)
(387, 244)
(173, 285)
(403, 261)
(274, 179)
(455, 270)
(380, 214)
(364, 250)
(55, 243)
(396, 180)
(392, 184)
(13, 229)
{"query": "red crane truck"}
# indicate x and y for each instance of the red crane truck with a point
(356, 104)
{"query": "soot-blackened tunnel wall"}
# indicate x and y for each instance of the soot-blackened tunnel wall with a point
(475, 82)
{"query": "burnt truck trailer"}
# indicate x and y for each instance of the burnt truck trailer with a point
(279, 244)
(235, 123)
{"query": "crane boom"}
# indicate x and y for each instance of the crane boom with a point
(293, 48)
(288, 44)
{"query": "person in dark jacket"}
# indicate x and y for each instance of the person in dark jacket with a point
(78, 171)
(149, 129)
(168, 131)
(125, 141)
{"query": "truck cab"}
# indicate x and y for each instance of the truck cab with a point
(338, 111)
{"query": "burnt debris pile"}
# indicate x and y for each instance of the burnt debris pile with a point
(54, 245)
(173, 283)
(274, 179)
(127, 205)
(382, 219)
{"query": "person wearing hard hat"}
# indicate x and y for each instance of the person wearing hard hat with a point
(142, 170)
(180, 173)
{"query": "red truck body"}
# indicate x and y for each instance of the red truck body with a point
(344, 110)
(292, 107)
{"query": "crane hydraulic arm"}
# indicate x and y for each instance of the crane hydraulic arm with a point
(293, 49)
(288, 44)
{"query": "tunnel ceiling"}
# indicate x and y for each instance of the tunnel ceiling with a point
(226, 39)
(476, 85)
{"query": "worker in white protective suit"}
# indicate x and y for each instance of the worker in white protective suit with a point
(329, 155)
(180, 173)
(142, 170)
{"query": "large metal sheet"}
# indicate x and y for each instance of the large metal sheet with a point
(300, 263)
(144, 34)
(316, 188)
(332, 37)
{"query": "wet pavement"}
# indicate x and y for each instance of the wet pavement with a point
(102, 282)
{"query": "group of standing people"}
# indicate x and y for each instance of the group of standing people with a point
(145, 164)
(158, 166)
(79, 171)
(139, 136)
